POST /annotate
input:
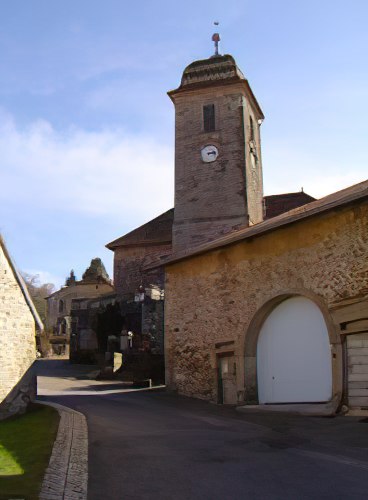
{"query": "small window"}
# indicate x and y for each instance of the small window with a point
(61, 306)
(251, 126)
(209, 117)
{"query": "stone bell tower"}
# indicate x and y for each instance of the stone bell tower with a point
(218, 165)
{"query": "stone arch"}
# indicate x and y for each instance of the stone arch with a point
(254, 329)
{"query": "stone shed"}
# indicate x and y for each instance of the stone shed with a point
(275, 313)
(18, 324)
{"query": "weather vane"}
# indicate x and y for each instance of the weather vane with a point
(216, 38)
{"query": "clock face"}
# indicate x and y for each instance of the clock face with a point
(209, 154)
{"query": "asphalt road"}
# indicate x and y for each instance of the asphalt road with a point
(155, 445)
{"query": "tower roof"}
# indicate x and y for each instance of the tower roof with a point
(95, 272)
(216, 70)
(208, 70)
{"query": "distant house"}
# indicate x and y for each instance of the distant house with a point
(85, 321)
(19, 324)
(94, 283)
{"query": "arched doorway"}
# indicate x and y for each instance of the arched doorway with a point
(294, 355)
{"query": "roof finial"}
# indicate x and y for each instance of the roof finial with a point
(216, 38)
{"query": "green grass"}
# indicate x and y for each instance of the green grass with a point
(25, 448)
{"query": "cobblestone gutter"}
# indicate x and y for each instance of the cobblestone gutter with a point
(67, 473)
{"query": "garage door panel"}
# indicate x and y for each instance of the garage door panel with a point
(293, 355)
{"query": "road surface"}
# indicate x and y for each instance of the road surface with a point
(153, 445)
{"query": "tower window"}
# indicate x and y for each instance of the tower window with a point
(209, 117)
(251, 126)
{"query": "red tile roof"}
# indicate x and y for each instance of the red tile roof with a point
(277, 204)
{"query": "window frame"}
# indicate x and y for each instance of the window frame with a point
(209, 117)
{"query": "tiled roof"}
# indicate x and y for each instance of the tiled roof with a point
(213, 71)
(214, 68)
(159, 230)
(279, 203)
(156, 231)
(330, 202)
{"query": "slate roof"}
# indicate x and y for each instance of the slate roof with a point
(330, 202)
(22, 285)
(156, 231)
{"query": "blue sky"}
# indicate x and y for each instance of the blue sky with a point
(87, 130)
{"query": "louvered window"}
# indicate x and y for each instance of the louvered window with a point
(209, 117)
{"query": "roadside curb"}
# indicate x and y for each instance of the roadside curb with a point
(66, 476)
(305, 409)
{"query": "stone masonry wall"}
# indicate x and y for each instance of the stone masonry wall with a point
(129, 265)
(67, 294)
(212, 298)
(211, 198)
(253, 162)
(17, 331)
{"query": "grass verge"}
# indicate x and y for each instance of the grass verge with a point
(25, 447)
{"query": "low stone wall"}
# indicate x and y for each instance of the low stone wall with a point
(20, 396)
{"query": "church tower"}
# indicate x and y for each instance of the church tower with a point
(218, 166)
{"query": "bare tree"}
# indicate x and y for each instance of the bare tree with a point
(38, 291)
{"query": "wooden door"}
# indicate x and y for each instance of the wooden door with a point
(227, 379)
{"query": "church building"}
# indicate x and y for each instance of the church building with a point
(258, 310)
(266, 297)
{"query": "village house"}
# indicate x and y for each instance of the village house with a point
(19, 325)
(136, 303)
(141, 291)
(276, 312)
(95, 283)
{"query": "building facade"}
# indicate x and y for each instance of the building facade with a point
(140, 287)
(265, 303)
(19, 324)
(277, 313)
(94, 283)
(266, 297)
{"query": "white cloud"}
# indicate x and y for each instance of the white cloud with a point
(319, 185)
(320, 170)
(108, 172)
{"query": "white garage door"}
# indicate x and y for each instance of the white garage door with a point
(293, 355)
